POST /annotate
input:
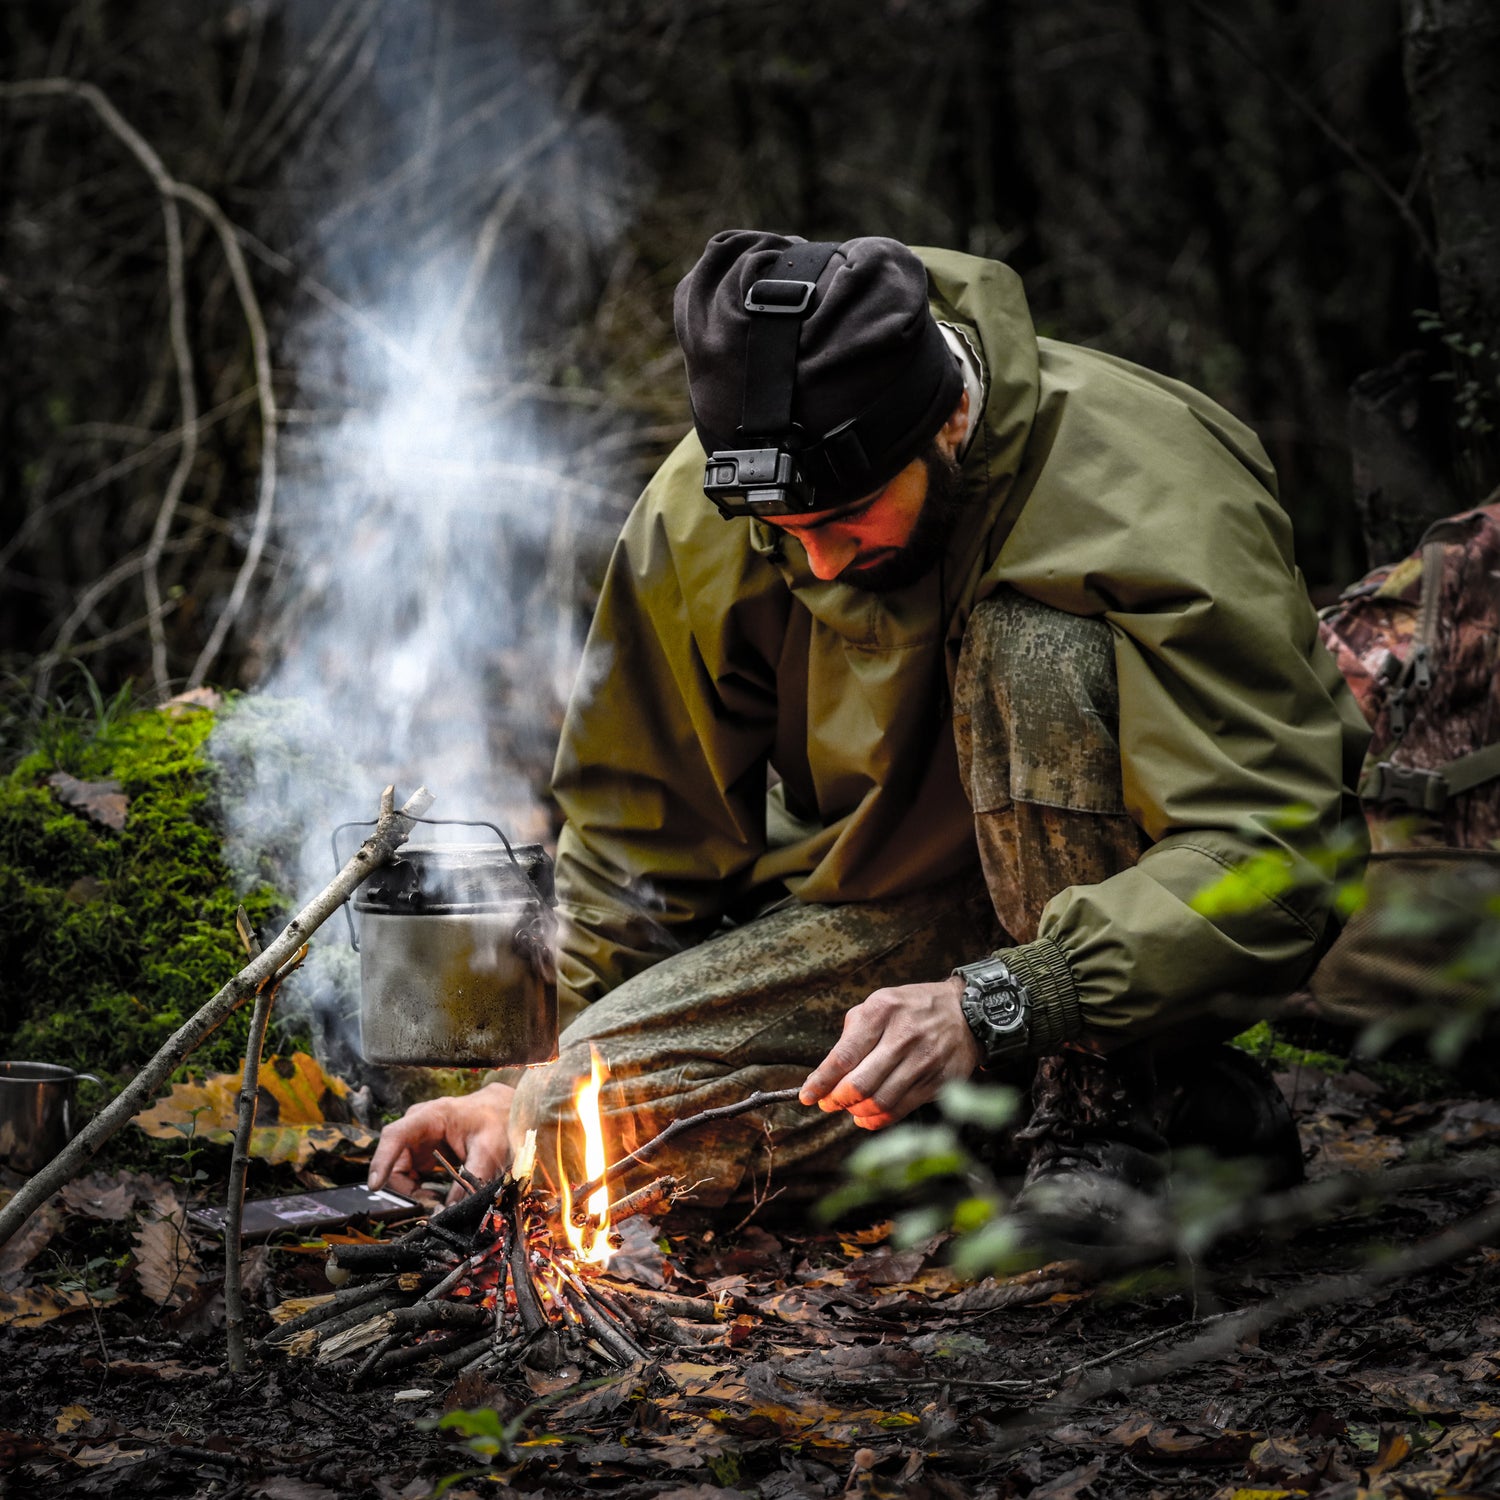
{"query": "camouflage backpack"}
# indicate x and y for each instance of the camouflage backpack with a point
(1419, 644)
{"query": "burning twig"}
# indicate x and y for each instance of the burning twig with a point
(643, 1200)
(757, 1100)
(517, 1254)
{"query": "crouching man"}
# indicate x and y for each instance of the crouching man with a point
(934, 674)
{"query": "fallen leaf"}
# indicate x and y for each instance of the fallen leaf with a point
(104, 802)
(161, 1369)
(1423, 1391)
(1069, 1486)
(30, 1307)
(99, 1197)
(20, 1251)
(166, 1265)
(640, 1257)
(285, 1487)
(192, 699)
(92, 1456)
(70, 1417)
(1394, 1447)
(300, 1110)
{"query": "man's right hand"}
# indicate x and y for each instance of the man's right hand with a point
(469, 1129)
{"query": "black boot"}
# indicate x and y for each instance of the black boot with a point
(1097, 1166)
(1223, 1101)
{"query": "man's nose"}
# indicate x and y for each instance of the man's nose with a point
(828, 556)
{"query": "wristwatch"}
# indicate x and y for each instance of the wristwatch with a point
(996, 1006)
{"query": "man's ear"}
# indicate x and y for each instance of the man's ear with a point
(951, 433)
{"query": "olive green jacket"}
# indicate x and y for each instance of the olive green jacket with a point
(1091, 485)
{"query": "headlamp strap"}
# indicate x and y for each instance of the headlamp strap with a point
(777, 304)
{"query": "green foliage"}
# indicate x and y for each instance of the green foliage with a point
(927, 1172)
(112, 939)
(1475, 376)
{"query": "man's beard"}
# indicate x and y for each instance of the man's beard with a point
(928, 539)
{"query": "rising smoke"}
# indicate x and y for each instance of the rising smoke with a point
(421, 623)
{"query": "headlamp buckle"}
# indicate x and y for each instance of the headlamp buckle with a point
(772, 295)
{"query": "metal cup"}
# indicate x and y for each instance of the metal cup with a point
(36, 1112)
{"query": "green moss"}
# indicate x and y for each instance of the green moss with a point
(1261, 1041)
(110, 939)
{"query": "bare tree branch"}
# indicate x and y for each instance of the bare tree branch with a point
(41, 88)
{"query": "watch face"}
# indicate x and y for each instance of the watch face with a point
(1003, 1010)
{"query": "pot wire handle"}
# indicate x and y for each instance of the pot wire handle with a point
(521, 869)
(338, 865)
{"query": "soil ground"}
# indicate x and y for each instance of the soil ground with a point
(854, 1369)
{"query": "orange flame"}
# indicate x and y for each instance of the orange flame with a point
(590, 1243)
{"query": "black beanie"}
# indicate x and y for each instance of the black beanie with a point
(868, 334)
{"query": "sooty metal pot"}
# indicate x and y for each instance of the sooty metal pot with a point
(455, 957)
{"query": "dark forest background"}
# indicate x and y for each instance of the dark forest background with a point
(1279, 201)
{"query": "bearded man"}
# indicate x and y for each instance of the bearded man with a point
(905, 758)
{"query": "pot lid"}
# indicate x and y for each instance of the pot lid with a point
(433, 878)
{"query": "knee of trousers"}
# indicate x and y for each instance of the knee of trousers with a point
(721, 1161)
(1037, 708)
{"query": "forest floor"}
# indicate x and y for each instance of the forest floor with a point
(847, 1366)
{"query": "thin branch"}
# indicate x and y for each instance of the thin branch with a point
(390, 833)
(239, 1161)
(187, 400)
(49, 509)
(757, 1100)
(1306, 107)
(40, 88)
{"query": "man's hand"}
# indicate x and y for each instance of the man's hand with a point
(899, 1047)
(470, 1129)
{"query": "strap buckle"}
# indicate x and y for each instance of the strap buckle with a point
(772, 295)
(1422, 791)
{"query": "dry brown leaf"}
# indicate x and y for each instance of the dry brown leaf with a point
(1423, 1391)
(286, 1487)
(99, 1197)
(161, 1369)
(30, 1307)
(193, 699)
(295, 1099)
(103, 802)
(92, 1456)
(71, 1417)
(19, 1252)
(1394, 1447)
(166, 1265)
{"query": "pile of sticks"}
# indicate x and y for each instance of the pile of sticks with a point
(483, 1285)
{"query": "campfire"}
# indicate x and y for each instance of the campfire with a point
(510, 1274)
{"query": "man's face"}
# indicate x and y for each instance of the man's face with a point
(887, 540)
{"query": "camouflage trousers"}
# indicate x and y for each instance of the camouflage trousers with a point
(758, 1006)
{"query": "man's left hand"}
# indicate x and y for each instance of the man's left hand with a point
(899, 1047)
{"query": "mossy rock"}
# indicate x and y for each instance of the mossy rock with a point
(111, 938)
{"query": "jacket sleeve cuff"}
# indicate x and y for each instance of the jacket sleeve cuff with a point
(1054, 1016)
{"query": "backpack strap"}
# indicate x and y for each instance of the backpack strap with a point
(1414, 676)
(1429, 790)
